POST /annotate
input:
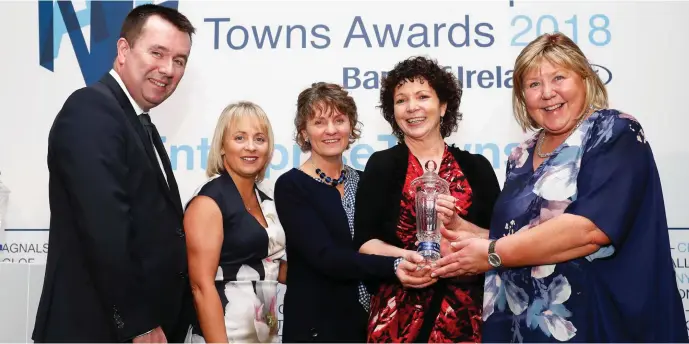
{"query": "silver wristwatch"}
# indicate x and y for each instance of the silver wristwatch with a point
(493, 258)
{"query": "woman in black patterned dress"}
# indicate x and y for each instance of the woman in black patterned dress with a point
(235, 241)
(421, 101)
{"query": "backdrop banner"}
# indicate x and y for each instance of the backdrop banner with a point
(267, 52)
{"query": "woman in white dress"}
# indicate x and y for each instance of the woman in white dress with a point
(235, 243)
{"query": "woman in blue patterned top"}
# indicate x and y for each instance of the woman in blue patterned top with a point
(325, 299)
(578, 247)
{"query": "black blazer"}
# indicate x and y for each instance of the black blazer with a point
(117, 262)
(380, 192)
(378, 208)
(321, 302)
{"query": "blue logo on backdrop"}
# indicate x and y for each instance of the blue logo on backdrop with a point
(55, 19)
(603, 73)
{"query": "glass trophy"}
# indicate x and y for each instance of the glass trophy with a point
(427, 187)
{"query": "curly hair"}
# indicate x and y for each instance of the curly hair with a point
(324, 97)
(443, 82)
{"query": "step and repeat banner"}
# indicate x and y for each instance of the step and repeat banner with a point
(267, 52)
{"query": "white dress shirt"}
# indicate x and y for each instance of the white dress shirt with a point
(138, 111)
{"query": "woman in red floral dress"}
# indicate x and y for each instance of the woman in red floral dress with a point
(421, 101)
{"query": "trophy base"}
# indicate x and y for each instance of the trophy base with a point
(430, 251)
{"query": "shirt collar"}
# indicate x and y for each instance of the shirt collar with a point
(137, 108)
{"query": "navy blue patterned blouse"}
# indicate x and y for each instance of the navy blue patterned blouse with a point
(624, 292)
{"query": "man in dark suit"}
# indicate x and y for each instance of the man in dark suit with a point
(117, 270)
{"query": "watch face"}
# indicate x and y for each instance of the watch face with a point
(494, 260)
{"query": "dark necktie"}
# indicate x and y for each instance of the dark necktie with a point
(154, 137)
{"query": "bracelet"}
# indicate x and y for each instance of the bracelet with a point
(397, 263)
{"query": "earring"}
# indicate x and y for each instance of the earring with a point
(306, 140)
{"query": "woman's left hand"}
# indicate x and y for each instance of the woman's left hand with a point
(470, 258)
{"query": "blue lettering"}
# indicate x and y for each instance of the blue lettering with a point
(508, 80)
(347, 76)
(96, 58)
(350, 35)
(244, 42)
(321, 36)
(437, 33)
(371, 80)
(282, 159)
(291, 156)
(480, 33)
(204, 149)
(356, 155)
(423, 35)
(296, 153)
(390, 139)
(267, 31)
(174, 154)
(485, 79)
(386, 31)
(289, 35)
(458, 34)
(216, 29)
(480, 148)
(463, 26)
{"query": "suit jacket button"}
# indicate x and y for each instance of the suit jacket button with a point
(182, 275)
(314, 333)
(180, 232)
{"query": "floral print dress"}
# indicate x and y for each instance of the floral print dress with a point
(624, 292)
(247, 275)
(398, 313)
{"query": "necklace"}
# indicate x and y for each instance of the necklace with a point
(328, 180)
(248, 208)
(252, 200)
(539, 144)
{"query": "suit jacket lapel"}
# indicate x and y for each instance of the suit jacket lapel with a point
(173, 189)
(171, 193)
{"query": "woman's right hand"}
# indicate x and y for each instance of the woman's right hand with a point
(452, 227)
(411, 274)
(446, 208)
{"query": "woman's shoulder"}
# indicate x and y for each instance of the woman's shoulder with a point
(212, 187)
(608, 125)
(618, 117)
(295, 181)
(288, 177)
(387, 159)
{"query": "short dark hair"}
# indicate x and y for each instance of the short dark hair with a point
(135, 20)
(325, 97)
(443, 82)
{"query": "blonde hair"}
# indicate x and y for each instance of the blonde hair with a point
(559, 50)
(228, 118)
